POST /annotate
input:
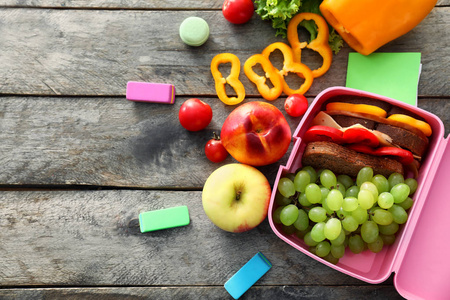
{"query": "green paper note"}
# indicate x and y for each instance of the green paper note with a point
(394, 75)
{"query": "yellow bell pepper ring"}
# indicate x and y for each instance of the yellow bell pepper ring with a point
(289, 66)
(232, 79)
(357, 108)
(421, 125)
(260, 81)
(319, 44)
(366, 25)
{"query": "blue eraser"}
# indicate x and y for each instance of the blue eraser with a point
(248, 275)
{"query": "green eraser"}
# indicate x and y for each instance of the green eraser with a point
(164, 218)
(194, 31)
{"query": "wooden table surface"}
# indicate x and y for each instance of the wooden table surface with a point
(79, 162)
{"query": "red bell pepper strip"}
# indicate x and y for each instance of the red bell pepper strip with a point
(323, 133)
(404, 156)
(361, 136)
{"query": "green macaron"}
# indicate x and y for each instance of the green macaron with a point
(194, 31)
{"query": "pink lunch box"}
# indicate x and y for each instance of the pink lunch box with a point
(419, 256)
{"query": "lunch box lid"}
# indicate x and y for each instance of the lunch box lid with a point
(420, 263)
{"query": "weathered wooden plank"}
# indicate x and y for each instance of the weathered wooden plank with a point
(136, 4)
(91, 238)
(114, 142)
(96, 52)
(372, 292)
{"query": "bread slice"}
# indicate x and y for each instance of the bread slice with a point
(341, 160)
(415, 143)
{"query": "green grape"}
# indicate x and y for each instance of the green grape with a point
(302, 221)
(312, 173)
(412, 183)
(371, 187)
(382, 217)
(312, 249)
(388, 239)
(389, 229)
(302, 179)
(317, 233)
(324, 192)
(350, 204)
(331, 259)
(291, 176)
(317, 214)
(286, 187)
(308, 240)
(346, 180)
(288, 230)
(360, 214)
(341, 188)
(350, 224)
(328, 179)
(356, 244)
(407, 204)
(341, 213)
(276, 215)
(338, 251)
(369, 231)
(339, 240)
(385, 200)
(332, 229)
(400, 191)
(365, 199)
(301, 233)
(365, 174)
(352, 191)
(281, 200)
(399, 214)
(289, 214)
(376, 246)
(394, 179)
(303, 200)
(325, 205)
(313, 193)
(381, 183)
(323, 248)
(334, 199)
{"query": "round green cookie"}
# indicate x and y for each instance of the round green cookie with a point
(194, 31)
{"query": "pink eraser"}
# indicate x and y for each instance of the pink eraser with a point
(150, 92)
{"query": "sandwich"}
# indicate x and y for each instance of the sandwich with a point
(352, 132)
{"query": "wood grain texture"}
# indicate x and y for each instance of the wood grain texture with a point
(115, 142)
(91, 238)
(373, 292)
(96, 52)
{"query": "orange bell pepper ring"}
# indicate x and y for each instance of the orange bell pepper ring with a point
(290, 66)
(260, 81)
(319, 44)
(421, 125)
(232, 79)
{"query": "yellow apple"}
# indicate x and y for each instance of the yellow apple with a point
(236, 197)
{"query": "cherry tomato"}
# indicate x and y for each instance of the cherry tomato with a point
(195, 114)
(214, 150)
(296, 105)
(238, 11)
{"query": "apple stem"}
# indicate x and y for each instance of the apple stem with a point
(238, 195)
(215, 136)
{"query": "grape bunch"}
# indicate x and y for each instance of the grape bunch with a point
(332, 212)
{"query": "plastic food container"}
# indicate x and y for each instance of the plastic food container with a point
(420, 255)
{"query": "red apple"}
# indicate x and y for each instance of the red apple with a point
(256, 133)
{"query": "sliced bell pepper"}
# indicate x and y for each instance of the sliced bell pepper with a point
(260, 81)
(323, 133)
(319, 44)
(290, 66)
(232, 79)
(404, 156)
(421, 125)
(367, 25)
(361, 136)
(357, 108)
